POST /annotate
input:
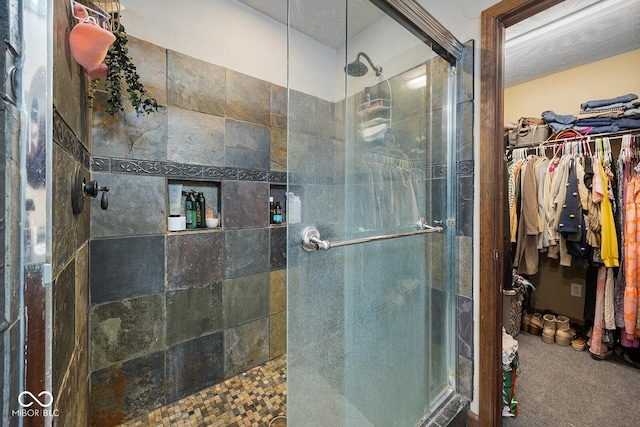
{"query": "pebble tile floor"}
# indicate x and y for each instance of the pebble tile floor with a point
(256, 398)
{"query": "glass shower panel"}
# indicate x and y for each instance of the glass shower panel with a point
(370, 327)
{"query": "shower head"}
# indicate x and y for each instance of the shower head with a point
(359, 69)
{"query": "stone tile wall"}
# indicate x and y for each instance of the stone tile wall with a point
(174, 313)
(70, 233)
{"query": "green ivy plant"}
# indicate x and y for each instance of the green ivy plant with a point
(120, 66)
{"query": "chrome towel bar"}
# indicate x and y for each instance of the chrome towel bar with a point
(311, 240)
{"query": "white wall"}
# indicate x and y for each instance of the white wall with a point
(231, 34)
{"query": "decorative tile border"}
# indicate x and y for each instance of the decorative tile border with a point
(65, 138)
(219, 173)
(183, 170)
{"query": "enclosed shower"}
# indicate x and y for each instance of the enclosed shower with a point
(361, 109)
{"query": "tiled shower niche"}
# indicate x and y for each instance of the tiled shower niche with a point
(210, 191)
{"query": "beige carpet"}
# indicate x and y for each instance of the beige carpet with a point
(558, 386)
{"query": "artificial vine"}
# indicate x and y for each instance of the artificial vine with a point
(120, 65)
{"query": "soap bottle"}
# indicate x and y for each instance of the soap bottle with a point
(272, 211)
(190, 210)
(294, 204)
(277, 214)
(202, 223)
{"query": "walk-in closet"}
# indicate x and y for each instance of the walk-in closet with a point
(571, 152)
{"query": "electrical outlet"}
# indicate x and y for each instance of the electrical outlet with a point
(576, 290)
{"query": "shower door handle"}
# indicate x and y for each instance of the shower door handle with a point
(312, 241)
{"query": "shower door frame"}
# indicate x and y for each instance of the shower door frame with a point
(494, 22)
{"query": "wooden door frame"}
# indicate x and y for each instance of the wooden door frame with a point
(494, 21)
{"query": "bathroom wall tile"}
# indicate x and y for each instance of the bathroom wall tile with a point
(246, 346)
(70, 84)
(413, 132)
(438, 316)
(151, 64)
(277, 291)
(126, 267)
(248, 98)
(437, 194)
(247, 145)
(464, 131)
(464, 266)
(193, 312)
(195, 137)
(72, 400)
(65, 234)
(278, 247)
(125, 329)
(464, 76)
(194, 365)
(137, 206)
(414, 101)
(278, 107)
(464, 378)
(277, 334)
(464, 320)
(82, 296)
(315, 156)
(245, 299)
(126, 390)
(438, 70)
(194, 259)
(126, 134)
(246, 252)
(195, 85)
(64, 322)
(278, 149)
(437, 141)
(464, 209)
(310, 114)
(246, 204)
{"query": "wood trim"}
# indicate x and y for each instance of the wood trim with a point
(472, 419)
(494, 21)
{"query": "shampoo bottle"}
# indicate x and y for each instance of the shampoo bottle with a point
(190, 210)
(202, 222)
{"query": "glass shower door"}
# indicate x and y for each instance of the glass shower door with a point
(370, 324)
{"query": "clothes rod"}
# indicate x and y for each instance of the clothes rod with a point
(583, 138)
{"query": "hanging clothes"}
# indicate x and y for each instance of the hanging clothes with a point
(609, 247)
(631, 251)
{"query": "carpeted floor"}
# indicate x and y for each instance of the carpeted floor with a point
(558, 386)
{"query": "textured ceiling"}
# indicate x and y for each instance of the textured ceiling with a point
(612, 31)
(311, 17)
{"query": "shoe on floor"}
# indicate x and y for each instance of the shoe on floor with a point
(549, 329)
(535, 325)
(579, 343)
(604, 355)
(564, 333)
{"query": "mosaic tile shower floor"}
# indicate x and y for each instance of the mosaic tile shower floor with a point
(256, 398)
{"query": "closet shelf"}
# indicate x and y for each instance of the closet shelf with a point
(575, 138)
